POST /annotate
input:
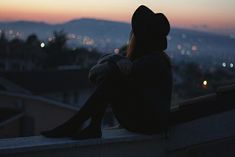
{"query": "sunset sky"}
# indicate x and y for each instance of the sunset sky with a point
(212, 15)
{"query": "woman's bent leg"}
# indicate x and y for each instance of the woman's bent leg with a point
(93, 109)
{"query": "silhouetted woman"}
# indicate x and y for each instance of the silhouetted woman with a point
(137, 86)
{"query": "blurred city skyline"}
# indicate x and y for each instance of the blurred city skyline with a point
(206, 15)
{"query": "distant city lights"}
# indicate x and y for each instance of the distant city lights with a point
(231, 65)
(116, 51)
(42, 45)
(50, 39)
(187, 49)
(17, 34)
(182, 52)
(169, 37)
(10, 32)
(232, 36)
(88, 41)
(183, 36)
(194, 48)
(179, 47)
(188, 52)
(71, 36)
(205, 83)
(223, 64)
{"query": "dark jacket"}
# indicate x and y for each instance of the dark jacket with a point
(147, 85)
(153, 76)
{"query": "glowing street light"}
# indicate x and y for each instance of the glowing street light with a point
(231, 65)
(42, 45)
(205, 82)
(223, 64)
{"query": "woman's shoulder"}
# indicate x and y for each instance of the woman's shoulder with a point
(153, 61)
(153, 57)
(158, 57)
(111, 57)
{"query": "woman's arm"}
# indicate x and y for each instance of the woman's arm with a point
(109, 65)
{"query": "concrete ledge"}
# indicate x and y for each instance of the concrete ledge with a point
(40, 143)
(114, 140)
(203, 130)
(118, 142)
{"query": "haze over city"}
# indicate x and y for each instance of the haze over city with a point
(206, 15)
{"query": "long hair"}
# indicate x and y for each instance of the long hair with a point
(137, 48)
(131, 46)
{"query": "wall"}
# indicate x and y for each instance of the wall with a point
(46, 114)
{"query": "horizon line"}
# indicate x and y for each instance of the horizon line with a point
(66, 21)
(108, 20)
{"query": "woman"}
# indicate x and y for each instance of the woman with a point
(138, 86)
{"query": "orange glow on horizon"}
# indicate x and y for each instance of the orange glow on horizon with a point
(180, 13)
(51, 13)
(51, 17)
(11, 14)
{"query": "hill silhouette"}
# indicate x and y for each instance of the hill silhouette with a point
(108, 35)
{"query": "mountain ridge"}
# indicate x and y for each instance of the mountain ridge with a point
(82, 21)
(106, 36)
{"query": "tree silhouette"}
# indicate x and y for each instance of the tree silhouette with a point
(59, 41)
(57, 50)
(59, 54)
(85, 58)
(3, 45)
(16, 49)
(33, 40)
(33, 51)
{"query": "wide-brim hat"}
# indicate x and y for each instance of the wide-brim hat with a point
(147, 25)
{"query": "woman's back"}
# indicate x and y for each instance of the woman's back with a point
(147, 94)
(151, 74)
